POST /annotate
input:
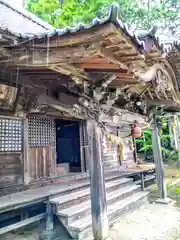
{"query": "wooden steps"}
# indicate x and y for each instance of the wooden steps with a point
(82, 228)
(73, 208)
(68, 215)
(80, 195)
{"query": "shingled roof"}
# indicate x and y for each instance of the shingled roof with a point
(25, 25)
(163, 38)
(19, 22)
(140, 40)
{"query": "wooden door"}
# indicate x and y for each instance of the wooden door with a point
(42, 150)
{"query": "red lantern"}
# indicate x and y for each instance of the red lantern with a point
(136, 130)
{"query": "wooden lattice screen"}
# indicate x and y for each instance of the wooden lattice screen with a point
(11, 135)
(41, 131)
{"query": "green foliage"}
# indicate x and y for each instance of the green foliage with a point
(61, 13)
(67, 13)
(144, 144)
(177, 190)
(174, 190)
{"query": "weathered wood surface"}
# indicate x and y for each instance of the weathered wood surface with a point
(11, 188)
(97, 182)
(171, 133)
(49, 217)
(38, 193)
(17, 200)
(22, 223)
(11, 169)
(177, 136)
(157, 153)
(42, 163)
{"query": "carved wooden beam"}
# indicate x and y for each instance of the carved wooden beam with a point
(156, 102)
(161, 81)
(43, 57)
(127, 118)
(70, 70)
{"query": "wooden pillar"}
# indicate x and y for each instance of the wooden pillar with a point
(157, 153)
(171, 132)
(49, 218)
(177, 136)
(83, 146)
(26, 152)
(97, 182)
(48, 233)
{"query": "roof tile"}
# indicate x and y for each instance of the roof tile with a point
(19, 22)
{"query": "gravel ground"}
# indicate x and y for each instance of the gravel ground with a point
(150, 222)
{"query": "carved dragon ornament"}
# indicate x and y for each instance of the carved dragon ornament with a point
(158, 78)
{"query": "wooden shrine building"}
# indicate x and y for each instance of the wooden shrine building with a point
(53, 82)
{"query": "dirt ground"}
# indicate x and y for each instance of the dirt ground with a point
(150, 222)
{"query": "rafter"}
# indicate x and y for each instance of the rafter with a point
(106, 53)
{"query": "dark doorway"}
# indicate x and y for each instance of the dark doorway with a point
(68, 144)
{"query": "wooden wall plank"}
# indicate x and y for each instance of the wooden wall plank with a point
(11, 169)
(52, 160)
(42, 163)
(36, 163)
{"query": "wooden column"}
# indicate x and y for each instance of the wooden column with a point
(171, 132)
(83, 146)
(157, 153)
(177, 136)
(49, 233)
(49, 218)
(97, 182)
(26, 152)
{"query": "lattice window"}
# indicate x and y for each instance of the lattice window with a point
(41, 131)
(10, 135)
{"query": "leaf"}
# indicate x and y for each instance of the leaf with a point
(74, 11)
(145, 148)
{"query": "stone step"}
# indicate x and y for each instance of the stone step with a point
(82, 228)
(68, 215)
(78, 196)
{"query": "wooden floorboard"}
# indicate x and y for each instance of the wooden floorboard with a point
(20, 199)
